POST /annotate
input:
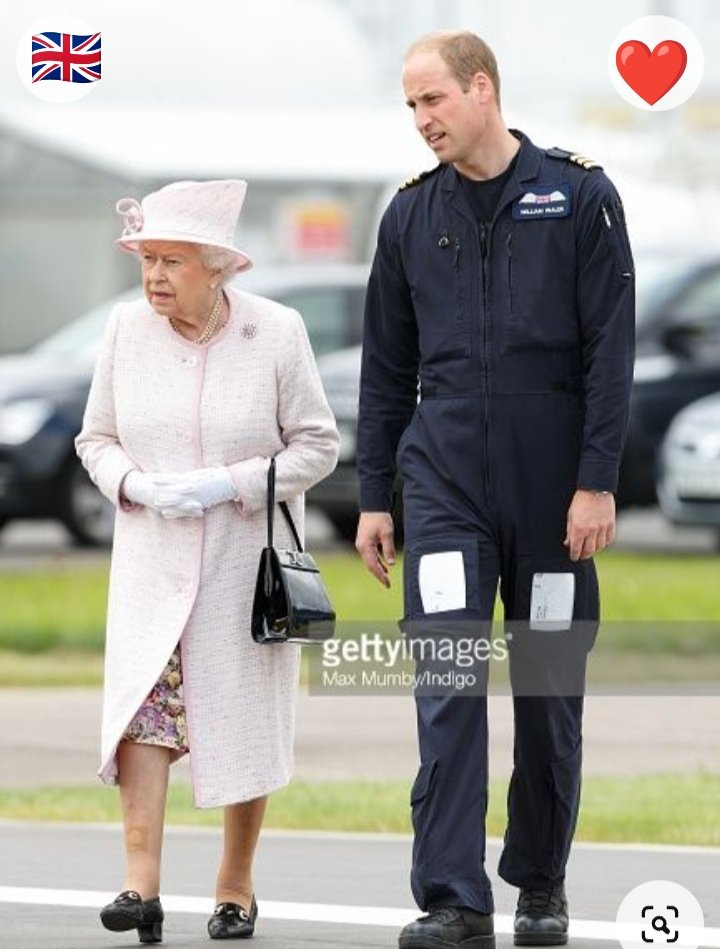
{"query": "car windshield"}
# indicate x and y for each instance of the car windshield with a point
(657, 277)
(82, 337)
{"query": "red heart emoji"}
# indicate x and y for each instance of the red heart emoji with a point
(651, 75)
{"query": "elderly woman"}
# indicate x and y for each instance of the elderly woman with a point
(195, 389)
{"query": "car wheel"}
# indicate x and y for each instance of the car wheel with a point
(88, 515)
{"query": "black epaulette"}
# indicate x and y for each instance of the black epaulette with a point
(411, 182)
(587, 163)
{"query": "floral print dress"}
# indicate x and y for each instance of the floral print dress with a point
(161, 720)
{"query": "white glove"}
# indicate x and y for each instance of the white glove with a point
(161, 493)
(204, 486)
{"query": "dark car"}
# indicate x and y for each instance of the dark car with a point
(338, 493)
(678, 360)
(43, 394)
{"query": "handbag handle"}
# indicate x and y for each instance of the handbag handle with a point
(283, 507)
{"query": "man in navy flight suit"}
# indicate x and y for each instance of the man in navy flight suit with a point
(497, 365)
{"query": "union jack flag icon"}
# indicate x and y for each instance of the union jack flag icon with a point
(66, 57)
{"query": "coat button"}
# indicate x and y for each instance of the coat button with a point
(190, 362)
(187, 438)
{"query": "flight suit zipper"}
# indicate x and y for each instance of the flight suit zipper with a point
(460, 316)
(484, 242)
(508, 244)
(483, 261)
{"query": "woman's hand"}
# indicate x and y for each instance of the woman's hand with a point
(164, 493)
(203, 486)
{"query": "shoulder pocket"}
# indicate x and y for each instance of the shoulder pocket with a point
(612, 223)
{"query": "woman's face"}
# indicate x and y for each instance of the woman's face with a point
(175, 280)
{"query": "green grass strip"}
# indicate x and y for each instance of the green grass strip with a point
(52, 623)
(65, 608)
(659, 809)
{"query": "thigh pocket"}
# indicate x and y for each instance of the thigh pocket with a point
(552, 610)
(442, 579)
(553, 589)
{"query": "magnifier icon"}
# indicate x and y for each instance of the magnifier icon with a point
(663, 927)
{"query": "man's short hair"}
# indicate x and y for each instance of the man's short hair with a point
(465, 54)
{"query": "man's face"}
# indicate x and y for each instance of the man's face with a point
(450, 119)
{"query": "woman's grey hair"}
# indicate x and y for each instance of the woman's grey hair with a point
(224, 262)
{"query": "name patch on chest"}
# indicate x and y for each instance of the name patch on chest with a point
(543, 201)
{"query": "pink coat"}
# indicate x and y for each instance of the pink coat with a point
(161, 403)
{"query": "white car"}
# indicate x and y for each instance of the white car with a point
(689, 475)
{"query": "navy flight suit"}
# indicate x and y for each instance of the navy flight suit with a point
(496, 373)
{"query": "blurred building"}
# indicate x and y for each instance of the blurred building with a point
(59, 185)
(302, 98)
(283, 97)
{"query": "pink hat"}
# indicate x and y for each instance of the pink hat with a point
(199, 212)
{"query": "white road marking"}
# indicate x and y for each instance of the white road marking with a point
(314, 913)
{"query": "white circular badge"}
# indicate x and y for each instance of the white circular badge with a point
(59, 58)
(655, 63)
(660, 913)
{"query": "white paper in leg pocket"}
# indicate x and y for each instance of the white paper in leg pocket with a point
(441, 578)
(552, 601)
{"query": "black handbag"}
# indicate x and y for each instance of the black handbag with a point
(291, 604)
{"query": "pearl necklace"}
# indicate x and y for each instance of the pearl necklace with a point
(210, 327)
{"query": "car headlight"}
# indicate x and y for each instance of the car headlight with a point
(346, 451)
(654, 368)
(20, 420)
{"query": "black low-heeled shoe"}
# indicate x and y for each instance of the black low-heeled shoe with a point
(231, 921)
(129, 911)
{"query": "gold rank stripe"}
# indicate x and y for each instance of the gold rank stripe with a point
(417, 179)
(586, 163)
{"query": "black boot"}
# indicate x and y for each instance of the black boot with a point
(541, 917)
(449, 927)
(129, 911)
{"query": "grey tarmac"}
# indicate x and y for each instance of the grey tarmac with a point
(51, 736)
(337, 870)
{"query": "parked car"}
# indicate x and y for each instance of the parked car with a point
(337, 494)
(43, 394)
(678, 360)
(689, 478)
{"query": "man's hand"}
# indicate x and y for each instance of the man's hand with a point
(375, 544)
(590, 524)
